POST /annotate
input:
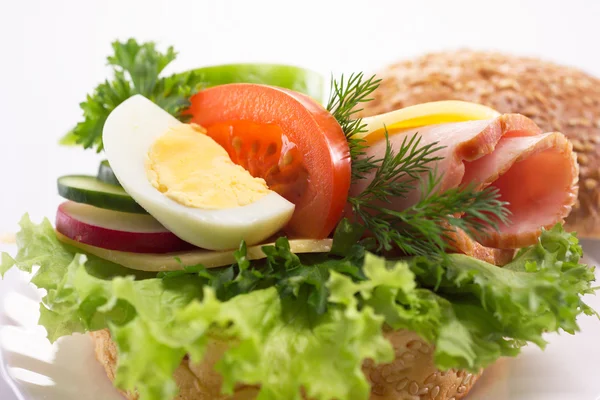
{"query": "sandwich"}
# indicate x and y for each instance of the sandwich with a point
(556, 97)
(243, 240)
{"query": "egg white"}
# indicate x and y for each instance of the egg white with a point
(128, 134)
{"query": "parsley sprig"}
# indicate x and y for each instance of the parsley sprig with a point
(137, 69)
(293, 275)
(422, 228)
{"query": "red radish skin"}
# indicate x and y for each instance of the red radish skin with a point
(161, 241)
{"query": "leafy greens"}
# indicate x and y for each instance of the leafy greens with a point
(306, 321)
(137, 69)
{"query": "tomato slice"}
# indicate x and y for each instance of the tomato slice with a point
(265, 151)
(286, 138)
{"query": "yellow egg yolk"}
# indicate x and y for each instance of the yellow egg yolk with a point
(192, 169)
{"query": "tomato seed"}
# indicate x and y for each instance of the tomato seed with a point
(288, 158)
(271, 149)
(236, 142)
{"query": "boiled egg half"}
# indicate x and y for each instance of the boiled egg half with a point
(187, 181)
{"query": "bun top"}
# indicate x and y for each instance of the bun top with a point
(557, 98)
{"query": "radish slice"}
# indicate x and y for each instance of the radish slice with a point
(115, 230)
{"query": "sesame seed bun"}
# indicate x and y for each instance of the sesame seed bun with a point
(556, 97)
(412, 375)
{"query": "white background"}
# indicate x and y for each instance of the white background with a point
(52, 52)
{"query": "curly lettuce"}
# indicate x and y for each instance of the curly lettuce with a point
(280, 344)
(472, 311)
(306, 322)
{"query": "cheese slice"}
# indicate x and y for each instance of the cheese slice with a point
(176, 261)
(436, 112)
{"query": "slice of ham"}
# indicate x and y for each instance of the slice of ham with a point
(535, 172)
(463, 243)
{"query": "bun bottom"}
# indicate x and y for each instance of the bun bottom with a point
(411, 376)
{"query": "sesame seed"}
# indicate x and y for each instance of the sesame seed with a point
(556, 125)
(577, 145)
(579, 122)
(589, 147)
(590, 184)
(584, 171)
(540, 97)
(507, 83)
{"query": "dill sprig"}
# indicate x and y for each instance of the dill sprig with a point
(346, 95)
(398, 172)
(422, 228)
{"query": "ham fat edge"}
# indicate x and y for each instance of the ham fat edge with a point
(535, 172)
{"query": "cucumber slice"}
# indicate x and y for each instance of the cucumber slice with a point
(286, 76)
(106, 174)
(90, 190)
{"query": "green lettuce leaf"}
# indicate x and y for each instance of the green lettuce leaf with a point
(539, 291)
(281, 343)
(38, 246)
(308, 322)
(475, 312)
(277, 343)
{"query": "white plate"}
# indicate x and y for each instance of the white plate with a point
(33, 369)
